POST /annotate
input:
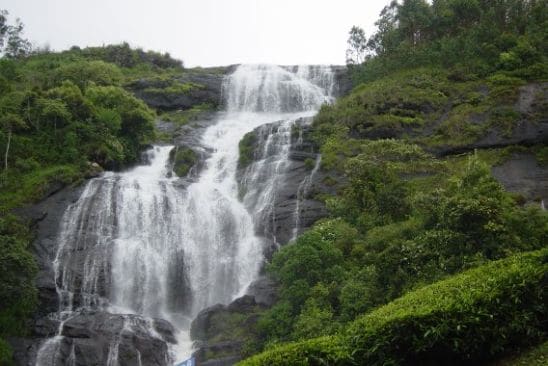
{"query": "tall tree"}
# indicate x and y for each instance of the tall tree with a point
(357, 46)
(414, 18)
(12, 43)
(386, 38)
(9, 122)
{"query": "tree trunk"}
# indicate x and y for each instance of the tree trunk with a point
(7, 152)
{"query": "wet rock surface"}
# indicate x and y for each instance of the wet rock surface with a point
(44, 219)
(221, 331)
(94, 337)
(295, 207)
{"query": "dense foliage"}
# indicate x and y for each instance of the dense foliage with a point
(468, 318)
(390, 237)
(465, 36)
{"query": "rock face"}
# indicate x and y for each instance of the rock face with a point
(522, 174)
(222, 331)
(298, 179)
(204, 85)
(44, 218)
(90, 336)
(200, 86)
(530, 129)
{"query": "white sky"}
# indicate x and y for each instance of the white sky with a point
(203, 32)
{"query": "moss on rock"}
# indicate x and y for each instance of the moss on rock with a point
(183, 159)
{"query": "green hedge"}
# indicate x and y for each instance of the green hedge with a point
(468, 318)
(318, 351)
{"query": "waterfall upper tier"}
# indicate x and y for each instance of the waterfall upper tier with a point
(277, 89)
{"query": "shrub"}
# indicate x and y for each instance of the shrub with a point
(328, 350)
(468, 318)
(83, 73)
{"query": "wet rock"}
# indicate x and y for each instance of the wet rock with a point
(93, 335)
(294, 205)
(44, 219)
(221, 331)
(93, 170)
(264, 291)
(200, 327)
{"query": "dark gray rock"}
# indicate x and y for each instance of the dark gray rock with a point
(264, 291)
(199, 329)
(221, 331)
(297, 193)
(88, 337)
(523, 175)
(530, 129)
(44, 219)
(526, 132)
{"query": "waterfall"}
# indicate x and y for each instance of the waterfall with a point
(137, 249)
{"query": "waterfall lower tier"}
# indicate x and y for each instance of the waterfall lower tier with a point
(139, 254)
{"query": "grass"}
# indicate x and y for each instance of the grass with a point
(183, 117)
(31, 187)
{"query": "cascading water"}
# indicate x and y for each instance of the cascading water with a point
(137, 247)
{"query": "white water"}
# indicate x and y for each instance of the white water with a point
(135, 243)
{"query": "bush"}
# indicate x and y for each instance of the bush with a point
(84, 73)
(471, 317)
(319, 351)
(468, 318)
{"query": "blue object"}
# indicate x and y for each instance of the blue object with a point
(190, 362)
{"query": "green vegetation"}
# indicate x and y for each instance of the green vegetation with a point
(423, 106)
(174, 88)
(183, 159)
(183, 117)
(537, 356)
(390, 236)
(469, 38)
(247, 149)
(471, 317)
(409, 268)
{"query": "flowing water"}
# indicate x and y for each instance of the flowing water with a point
(138, 245)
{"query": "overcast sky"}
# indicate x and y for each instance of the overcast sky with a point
(203, 32)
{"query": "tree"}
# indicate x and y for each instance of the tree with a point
(357, 45)
(55, 110)
(3, 26)
(9, 122)
(414, 17)
(12, 44)
(386, 38)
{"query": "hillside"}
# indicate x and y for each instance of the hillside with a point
(405, 223)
